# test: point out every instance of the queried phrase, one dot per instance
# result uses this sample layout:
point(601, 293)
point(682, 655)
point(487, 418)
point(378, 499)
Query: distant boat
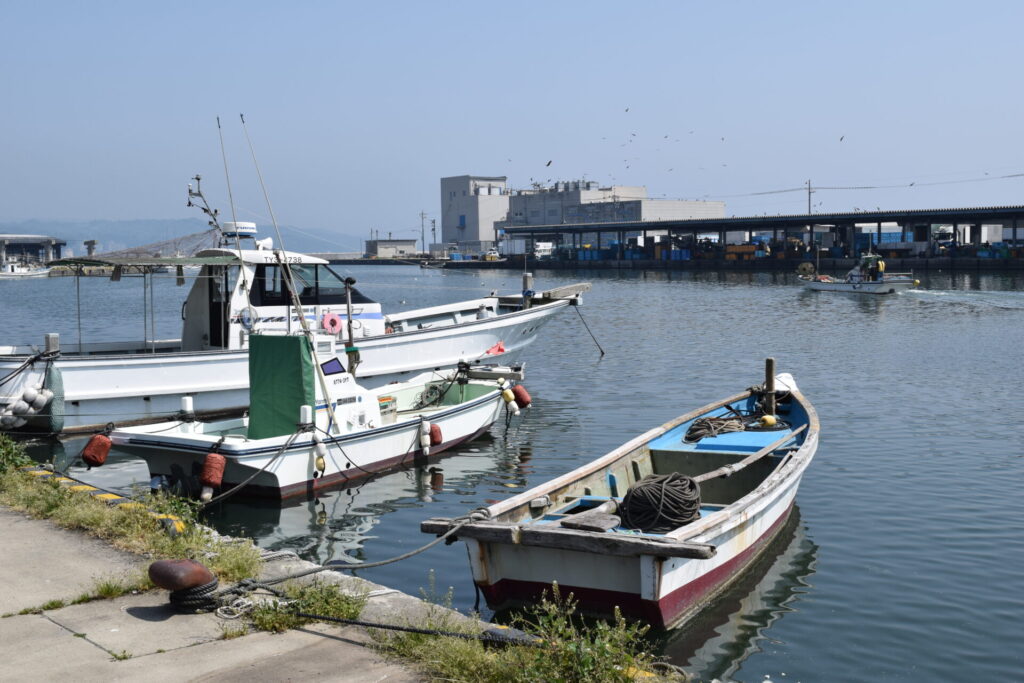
point(17, 270)
point(864, 278)
point(658, 526)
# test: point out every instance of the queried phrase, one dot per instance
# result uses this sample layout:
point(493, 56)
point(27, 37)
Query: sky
point(356, 110)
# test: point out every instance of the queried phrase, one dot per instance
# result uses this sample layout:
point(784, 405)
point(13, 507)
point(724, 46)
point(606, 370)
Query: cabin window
point(315, 284)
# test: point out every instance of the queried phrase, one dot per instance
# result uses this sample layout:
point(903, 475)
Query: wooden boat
point(586, 530)
point(283, 448)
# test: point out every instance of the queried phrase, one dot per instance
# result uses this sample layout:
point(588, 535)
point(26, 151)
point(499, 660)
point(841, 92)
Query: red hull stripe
point(352, 474)
point(663, 613)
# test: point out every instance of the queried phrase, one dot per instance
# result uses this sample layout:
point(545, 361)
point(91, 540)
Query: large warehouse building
point(475, 210)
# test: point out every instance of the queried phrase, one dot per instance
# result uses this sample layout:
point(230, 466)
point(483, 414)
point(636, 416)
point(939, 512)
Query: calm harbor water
point(904, 563)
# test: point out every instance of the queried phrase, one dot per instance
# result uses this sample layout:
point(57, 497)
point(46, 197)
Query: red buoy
point(435, 434)
point(523, 399)
point(213, 470)
point(95, 452)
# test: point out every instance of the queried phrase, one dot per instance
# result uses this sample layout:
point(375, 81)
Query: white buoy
point(207, 494)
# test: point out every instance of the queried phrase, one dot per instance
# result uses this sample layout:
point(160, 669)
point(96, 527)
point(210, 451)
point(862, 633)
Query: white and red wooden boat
point(586, 530)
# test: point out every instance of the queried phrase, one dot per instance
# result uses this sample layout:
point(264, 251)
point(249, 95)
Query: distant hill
point(119, 235)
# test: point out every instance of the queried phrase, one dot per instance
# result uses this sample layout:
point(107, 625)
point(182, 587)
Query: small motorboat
point(867, 277)
point(18, 270)
point(296, 441)
point(658, 526)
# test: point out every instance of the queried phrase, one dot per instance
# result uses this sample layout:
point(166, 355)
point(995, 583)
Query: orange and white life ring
point(331, 323)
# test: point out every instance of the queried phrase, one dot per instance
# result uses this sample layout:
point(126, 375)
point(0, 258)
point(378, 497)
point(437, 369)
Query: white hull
point(890, 286)
point(132, 388)
point(171, 450)
point(24, 274)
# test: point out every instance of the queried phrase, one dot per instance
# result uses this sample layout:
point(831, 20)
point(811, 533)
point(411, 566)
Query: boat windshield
point(316, 284)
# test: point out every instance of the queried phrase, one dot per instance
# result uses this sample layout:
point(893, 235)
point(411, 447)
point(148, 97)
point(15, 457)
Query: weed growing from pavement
point(129, 527)
point(320, 598)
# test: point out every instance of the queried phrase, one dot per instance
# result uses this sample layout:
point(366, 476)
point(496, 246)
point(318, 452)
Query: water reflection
point(715, 643)
point(337, 524)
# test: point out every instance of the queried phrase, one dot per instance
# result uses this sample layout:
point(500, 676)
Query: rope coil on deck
point(659, 503)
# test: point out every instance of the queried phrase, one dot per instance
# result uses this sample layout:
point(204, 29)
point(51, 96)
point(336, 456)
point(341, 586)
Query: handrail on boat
point(727, 470)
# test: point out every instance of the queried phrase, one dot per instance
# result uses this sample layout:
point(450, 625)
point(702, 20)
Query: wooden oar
point(727, 470)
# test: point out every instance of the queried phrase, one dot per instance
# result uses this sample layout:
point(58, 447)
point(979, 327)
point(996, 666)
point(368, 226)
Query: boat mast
point(289, 282)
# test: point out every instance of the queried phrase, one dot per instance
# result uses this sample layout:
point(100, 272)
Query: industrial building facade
point(475, 210)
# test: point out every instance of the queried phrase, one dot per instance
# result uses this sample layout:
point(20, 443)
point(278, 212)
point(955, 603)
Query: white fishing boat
point(658, 526)
point(18, 270)
point(238, 292)
point(867, 277)
point(308, 429)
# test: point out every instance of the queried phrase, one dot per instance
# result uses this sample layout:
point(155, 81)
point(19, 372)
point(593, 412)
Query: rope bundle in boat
point(712, 426)
point(659, 503)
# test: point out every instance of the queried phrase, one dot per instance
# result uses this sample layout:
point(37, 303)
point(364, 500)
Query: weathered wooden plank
point(611, 544)
point(591, 521)
point(488, 532)
point(566, 292)
point(728, 470)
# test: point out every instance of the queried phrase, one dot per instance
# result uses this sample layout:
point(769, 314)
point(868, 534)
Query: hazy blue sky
point(357, 110)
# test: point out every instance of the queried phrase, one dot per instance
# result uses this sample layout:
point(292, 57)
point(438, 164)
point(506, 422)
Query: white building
point(475, 209)
point(471, 208)
point(583, 201)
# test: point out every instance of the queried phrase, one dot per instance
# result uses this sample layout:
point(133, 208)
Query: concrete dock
point(139, 637)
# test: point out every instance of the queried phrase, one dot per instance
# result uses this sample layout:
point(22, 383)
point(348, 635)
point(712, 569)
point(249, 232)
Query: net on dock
point(182, 247)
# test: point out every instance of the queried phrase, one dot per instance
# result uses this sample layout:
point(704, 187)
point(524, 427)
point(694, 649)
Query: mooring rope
point(659, 503)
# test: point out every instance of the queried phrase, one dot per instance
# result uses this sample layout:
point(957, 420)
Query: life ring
point(805, 268)
point(331, 323)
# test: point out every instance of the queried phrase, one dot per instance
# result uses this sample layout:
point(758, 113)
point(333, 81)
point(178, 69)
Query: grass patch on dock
point(567, 650)
point(324, 599)
point(130, 527)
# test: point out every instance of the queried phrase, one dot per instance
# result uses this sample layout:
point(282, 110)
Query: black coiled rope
point(198, 599)
point(659, 503)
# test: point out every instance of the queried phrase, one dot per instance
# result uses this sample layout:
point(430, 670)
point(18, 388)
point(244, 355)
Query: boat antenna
point(289, 281)
point(227, 177)
point(259, 174)
point(197, 193)
point(238, 240)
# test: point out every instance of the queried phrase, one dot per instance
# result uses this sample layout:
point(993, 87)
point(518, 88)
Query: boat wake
point(1002, 300)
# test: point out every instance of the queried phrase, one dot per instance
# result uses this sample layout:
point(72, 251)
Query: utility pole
point(809, 191)
point(433, 230)
point(423, 234)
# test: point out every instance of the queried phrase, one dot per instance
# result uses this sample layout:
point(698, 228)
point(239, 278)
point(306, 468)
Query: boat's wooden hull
point(516, 554)
point(661, 591)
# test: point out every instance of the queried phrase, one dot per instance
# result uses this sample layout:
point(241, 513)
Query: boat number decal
point(285, 259)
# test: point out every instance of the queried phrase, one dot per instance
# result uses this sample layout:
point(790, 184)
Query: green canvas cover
point(280, 382)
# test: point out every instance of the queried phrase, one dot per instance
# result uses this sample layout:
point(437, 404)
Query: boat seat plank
point(734, 442)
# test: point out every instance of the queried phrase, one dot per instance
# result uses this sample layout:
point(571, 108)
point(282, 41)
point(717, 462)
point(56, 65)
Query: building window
point(534, 213)
point(462, 220)
point(552, 212)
